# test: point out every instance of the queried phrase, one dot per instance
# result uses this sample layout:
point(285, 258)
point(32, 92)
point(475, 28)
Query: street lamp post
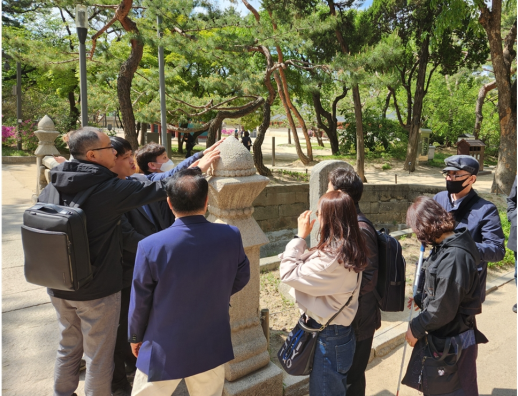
point(82, 30)
point(163, 119)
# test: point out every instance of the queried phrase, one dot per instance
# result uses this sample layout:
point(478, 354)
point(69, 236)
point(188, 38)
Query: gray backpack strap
point(80, 197)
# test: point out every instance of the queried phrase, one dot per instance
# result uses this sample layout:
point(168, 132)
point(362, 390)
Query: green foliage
point(509, 254)
point(380, 134)
point(386, 166)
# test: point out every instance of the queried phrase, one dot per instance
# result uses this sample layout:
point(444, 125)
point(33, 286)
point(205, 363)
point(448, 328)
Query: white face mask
point(166, 166)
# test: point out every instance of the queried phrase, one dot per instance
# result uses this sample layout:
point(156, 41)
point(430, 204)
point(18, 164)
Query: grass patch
point(300, 176)
point(196, 149)
point(12, 152)
point(438, 160)
point(386, 166)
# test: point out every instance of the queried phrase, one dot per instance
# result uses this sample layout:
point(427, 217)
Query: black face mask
point(455, 187)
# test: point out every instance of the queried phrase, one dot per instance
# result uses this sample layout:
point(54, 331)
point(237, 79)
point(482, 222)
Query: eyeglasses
point(455, 177)
point(102, 148)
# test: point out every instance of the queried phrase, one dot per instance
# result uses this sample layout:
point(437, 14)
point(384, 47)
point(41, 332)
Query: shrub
point(29, 139)
point(386, 166)
point(8, 135)
point(381, 136)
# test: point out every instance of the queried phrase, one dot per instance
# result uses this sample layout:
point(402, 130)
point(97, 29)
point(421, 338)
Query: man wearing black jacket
point(88, 317)
point(368, 316)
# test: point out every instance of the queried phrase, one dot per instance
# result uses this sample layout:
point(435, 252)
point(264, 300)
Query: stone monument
point(318, 182)
point(46, 135)
point(233, 187)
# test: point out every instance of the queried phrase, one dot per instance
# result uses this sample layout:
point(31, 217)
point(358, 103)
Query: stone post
point(46, 135)
point(232, 190)
point(318, 186)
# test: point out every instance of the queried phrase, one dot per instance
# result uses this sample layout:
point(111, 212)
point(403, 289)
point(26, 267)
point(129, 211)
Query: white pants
point(208, 383)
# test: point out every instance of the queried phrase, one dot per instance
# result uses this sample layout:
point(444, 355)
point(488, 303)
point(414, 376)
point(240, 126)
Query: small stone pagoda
point(232, 189)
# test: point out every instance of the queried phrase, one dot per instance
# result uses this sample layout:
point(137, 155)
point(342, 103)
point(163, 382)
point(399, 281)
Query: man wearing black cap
point(471, 211)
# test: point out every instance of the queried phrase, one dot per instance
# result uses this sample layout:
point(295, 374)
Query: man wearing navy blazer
point(179, 324)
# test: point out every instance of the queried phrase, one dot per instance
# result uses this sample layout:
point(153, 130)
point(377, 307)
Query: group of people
point(464, 233)
point(155, 311)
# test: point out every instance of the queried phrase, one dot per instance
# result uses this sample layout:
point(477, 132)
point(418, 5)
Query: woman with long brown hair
point(325, 278)
point(444, 335)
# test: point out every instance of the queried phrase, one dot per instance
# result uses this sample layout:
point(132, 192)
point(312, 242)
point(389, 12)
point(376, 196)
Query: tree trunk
point(258, 154)
point(478, 108)
point(360, 148)
point(289, 136)
point(332, 123)
point(144, 134)
point(73, 111)
point(301, 121)
point(413, 138)
point(305, 160)
point(222, 115)
point(501, 58)
point(385, 107)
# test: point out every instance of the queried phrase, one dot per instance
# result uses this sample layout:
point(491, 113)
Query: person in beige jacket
point(324, 278)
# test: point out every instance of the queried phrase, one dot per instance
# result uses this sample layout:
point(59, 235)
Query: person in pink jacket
point(324, 277)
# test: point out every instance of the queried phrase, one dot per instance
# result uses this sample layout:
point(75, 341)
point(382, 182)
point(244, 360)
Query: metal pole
point(19, 105)
point(395, 177)
point(81, 33)
point(273, 150)
point(289, 136)
point(163, 119)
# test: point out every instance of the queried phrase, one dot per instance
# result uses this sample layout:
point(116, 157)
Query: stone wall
point(276, 211)
point(386, 204)
point(278, 206)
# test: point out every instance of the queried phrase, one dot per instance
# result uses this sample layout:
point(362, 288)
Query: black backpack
point(390, 288)
point(55, 243)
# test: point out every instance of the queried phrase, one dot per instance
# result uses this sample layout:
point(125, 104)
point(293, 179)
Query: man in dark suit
point(138, 224)
point(184, 276)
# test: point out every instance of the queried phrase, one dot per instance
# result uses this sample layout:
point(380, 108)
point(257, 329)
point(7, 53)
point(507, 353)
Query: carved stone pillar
point(46, 135)
point(232, 189)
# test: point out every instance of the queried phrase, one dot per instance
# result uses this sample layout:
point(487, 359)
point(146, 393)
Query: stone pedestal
point(232, 190)
point(46, 135)
point(318, 186)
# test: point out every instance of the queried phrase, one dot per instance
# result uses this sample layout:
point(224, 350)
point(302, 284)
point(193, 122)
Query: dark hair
point(247, 133)
point(82, 140)
point(187, 190)
point(148, 153)
point(122, 146)
point(348, 181)
point(428, 220)
point(340, 232)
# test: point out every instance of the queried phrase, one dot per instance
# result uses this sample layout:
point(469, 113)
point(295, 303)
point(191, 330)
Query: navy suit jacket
point(182, 283)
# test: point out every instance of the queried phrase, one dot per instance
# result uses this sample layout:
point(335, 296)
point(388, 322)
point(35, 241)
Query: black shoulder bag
point(297, 353)
point(433, 371)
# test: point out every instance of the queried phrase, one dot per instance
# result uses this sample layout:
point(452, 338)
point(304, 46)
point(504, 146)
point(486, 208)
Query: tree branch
point(430, 78)
point(397, 107)
point(253, 11)
point(182, 33)
point(103, 29)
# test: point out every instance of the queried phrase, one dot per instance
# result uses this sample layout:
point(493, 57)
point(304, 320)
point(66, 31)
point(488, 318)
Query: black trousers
point(356, 375)
point(122, 354)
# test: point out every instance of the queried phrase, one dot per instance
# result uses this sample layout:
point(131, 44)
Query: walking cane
point(414, 291)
